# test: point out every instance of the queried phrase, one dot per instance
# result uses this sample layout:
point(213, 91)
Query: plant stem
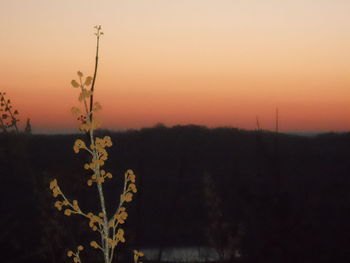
point(95, 156)
point(116, 225)
point(105, 232)
point(95, 72)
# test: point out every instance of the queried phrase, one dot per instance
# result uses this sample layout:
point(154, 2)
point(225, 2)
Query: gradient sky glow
point(206, 62)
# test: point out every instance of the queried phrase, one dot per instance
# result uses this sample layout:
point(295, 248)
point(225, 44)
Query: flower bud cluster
point(119, 237)
point(70, 207)
point(88, 123)
point(75, 255)
point(95, 221)
point(130, 179)
point(56, 191)
point(99, 156)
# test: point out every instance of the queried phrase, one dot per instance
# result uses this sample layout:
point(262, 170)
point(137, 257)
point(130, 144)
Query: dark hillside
point(273, 198)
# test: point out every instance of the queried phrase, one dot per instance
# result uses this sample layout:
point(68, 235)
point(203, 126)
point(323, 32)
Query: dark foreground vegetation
point(268, 198)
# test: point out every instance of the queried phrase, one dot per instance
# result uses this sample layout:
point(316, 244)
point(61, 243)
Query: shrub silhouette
point(111, 234)
point(8, 117)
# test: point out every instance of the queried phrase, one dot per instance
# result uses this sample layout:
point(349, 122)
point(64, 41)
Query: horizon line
point(70, 131)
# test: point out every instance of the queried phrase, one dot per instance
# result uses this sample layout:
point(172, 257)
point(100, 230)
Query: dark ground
point(274, 198)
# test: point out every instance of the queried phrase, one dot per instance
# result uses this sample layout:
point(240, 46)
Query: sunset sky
point(205, 62)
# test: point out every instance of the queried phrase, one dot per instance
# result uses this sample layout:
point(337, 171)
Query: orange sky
point(214, 63)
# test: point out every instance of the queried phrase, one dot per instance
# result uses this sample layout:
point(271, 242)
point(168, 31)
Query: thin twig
point(98, 34)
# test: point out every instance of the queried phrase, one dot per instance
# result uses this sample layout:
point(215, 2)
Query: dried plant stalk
point(109, 227)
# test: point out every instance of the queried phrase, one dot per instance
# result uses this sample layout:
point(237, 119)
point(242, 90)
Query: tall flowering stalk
point(107, 225)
